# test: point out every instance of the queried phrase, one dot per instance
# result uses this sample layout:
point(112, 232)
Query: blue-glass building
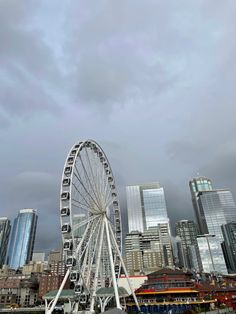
point(5, 228)
point(146, 206)
point(197, 185)
point(22, 238)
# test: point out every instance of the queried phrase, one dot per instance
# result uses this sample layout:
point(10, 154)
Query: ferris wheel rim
point(79, 146)
point(114, 209)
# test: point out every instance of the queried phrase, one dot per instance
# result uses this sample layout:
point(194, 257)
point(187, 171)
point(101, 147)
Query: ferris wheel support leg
point(112, 266)
point(124, 267)
point(49, 310)
point(97, 268)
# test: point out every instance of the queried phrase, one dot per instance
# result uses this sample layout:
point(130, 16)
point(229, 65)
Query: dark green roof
point(102, 292)
point(107, 292)
point(114, 311)
point(65, 294)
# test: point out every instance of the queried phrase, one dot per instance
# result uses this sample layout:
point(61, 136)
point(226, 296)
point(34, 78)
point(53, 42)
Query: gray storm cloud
point(153, 82)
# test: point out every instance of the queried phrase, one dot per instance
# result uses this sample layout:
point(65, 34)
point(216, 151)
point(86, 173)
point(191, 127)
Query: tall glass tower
point(197, 185)
point(22, 238)
point(5, 228)
point(146, 206)
point(211, 254)
point(219, 208)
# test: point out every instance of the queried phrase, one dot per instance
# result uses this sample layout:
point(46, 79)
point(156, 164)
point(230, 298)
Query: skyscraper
point(218, 208)
point(5, 228)
point(211, 254)
point(187, 231)
point(197, 185)
point(22, 238)
point(229, 244)
point(146, 206)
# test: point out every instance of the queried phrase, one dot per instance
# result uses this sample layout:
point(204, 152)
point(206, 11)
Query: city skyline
point(153, 83)
point(171, 222)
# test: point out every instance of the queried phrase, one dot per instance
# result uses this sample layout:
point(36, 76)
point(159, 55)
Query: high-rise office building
point(146, 206)
point(211, 253)
point(197, 185)
point(5, 228)
point(22, 238)
point(229, 245)
point(149, 250)
point(186, 230)
point(218, 208)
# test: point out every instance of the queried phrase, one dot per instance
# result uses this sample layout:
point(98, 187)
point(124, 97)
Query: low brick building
point(51, 282)
point(19, 289)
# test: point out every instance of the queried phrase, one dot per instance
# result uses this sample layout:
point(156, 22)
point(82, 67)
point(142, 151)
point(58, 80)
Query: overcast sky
point(153, 82)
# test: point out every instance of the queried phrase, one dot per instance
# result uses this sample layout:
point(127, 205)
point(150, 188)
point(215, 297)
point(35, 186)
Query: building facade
point(219, 208)
point(22, 238)
point(229, 244)
point(197, 185)
point(211, 254)
point(146, 206)
point(149, 250)
point(18, 289)
point(186, 230)
point(5, 228)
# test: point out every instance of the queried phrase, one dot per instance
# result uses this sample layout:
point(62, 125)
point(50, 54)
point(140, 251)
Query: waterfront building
point(186, 230)
point(22, 238)
point(168, 291)
point(5, 228)
point(146, 206)
point(18, 289)
point(211, 254)
point(197, 185)
point(229, 244)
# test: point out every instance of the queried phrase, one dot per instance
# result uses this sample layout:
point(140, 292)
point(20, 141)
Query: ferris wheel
point(90, 224)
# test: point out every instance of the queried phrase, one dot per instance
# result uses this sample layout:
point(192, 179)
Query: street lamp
point(226, 303)
point(216, 302)
point(204, 306)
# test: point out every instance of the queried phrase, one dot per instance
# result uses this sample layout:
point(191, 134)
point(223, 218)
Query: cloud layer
point(153, 83)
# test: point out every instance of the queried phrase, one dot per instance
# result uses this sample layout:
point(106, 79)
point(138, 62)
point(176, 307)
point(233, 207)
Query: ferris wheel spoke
point(81, 206)
point(88, 205)
point(92, 255)
point(86, 251)
point(108, 198)
point(86, 232)
point(92, 172)
point(87, 192)
point(93, 228)
point(97, 174)
point(86, 188)
point(89, 181)
point(83, 222)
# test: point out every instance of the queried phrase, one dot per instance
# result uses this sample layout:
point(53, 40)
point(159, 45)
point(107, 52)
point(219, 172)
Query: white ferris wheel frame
point(102, 223)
